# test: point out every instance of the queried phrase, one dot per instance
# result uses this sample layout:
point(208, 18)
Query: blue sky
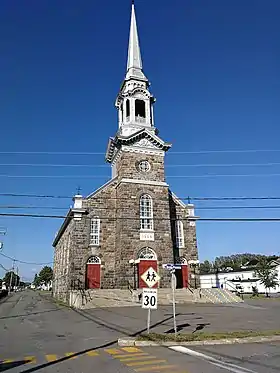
point(214, 68)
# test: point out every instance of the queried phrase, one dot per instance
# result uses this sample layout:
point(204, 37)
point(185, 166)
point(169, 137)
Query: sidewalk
point(256, 316)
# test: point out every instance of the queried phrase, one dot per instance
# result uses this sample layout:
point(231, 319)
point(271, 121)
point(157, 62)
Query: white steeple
point(134, 101)
point(134, 61)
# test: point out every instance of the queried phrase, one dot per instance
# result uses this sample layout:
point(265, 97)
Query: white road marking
point(221, 364)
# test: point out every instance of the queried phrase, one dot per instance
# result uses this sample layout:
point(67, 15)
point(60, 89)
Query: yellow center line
point(130, 355)
point(155, 368)
point(51, 358)
point(71, 354)
point(146, 363)
point(30, 359)
point(7, 361)
point(137, 358)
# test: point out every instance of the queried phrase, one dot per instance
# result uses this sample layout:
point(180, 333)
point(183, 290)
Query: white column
point(152, 114)
point(148, 113)
point(124, 111)
point(120, 116)
point(132, 110)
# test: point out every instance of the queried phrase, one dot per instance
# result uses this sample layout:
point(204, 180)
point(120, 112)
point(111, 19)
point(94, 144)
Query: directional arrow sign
point(150, 277)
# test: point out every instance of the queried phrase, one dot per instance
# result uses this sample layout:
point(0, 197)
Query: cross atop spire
point(134, 60)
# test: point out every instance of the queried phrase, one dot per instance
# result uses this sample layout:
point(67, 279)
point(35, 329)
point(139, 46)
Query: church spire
point(134, 60)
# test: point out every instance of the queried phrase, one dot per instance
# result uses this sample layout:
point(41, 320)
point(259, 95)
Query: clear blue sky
point(214, 68)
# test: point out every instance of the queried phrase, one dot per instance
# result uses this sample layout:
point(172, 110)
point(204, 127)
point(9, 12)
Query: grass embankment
point(155, 337)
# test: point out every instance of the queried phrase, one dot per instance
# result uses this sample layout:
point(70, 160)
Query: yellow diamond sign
point(150, 277)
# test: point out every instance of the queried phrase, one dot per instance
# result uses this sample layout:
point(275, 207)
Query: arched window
point(95, 231)
point(147, 253)
point(140, 109)
point(180, 242)
point(94, 260)
point(127, 103)
point(146, 212)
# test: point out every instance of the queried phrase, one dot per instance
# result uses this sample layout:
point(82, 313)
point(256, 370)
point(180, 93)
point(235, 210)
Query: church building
point(134, 221)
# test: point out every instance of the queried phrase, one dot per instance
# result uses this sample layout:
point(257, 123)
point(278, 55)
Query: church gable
point(145, 143)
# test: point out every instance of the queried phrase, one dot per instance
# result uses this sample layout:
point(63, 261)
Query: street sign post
point(149, 299)
point(149, 296)
point(172, 268)
point(150, 277)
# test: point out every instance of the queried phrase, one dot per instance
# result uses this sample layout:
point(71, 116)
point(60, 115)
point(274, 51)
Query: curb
point(131, 342)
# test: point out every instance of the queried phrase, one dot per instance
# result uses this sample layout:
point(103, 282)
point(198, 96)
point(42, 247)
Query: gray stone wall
point(62, 264)
point(128, 242)
point(127, 166)
point(117, 206)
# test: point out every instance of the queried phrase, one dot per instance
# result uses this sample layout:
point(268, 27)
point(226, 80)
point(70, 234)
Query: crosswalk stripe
point(71, 354)
point(155, 368)
point(130, 355)
point(92, 353)
point(145, 363)
point(131, 349)
point(51, 358)
point(113, 351)
point(134, 358)
point(30, 359)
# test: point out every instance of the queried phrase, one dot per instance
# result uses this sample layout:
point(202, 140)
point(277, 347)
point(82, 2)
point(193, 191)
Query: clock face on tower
point(144, 166)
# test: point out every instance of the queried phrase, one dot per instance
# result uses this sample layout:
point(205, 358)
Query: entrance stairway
point(96, 298)
point(217, 295)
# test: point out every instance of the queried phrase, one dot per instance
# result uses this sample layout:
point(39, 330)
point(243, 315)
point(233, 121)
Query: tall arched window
point(95, 231)
point(146, 212)
point(180, 242)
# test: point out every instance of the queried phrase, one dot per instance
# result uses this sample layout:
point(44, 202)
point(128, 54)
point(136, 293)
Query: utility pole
point(17, 282)
point(11, 277)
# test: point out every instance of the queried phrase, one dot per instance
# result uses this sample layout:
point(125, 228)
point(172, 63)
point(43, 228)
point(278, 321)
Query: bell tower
point(134, 101)
point(136, 129)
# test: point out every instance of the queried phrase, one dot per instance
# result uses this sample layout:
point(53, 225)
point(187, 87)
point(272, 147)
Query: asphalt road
point(38, 335)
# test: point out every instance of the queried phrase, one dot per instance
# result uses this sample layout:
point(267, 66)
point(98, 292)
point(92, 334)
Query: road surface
point(39, 335)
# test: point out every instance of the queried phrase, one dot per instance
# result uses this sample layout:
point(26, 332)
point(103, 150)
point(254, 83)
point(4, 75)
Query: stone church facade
point(134, 221)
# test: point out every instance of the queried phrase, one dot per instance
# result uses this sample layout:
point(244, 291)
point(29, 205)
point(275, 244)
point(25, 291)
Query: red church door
point(143, 266)
point(185, 275)
point(93, 273)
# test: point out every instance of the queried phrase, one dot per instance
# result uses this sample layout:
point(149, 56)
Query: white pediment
point(145, 143)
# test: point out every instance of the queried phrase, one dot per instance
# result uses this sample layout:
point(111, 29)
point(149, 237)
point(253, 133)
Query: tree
point(45, 275)
point(235, 261)
point(36, 281)
point(206, 267)
point(267, 275)
point(15, 279)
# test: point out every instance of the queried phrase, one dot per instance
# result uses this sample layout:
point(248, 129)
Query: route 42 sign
point(150, 277)
point(149, 299)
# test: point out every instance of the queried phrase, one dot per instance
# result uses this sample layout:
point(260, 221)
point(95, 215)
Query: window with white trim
point(180, 242)
point(95, 231)
point(146, 212)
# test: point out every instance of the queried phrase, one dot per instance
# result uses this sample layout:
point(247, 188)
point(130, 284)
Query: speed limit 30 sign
point(149, 299)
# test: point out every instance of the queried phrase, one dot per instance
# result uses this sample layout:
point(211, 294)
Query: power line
point(133, 218)
point(108, 176)
point(241, 198)
point(171, 152)
point(124, 208)
point(33, 195)
point(171, 165)
point(22, 261)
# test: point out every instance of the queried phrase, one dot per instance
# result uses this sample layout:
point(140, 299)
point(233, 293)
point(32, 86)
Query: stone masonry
point(137, 156)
